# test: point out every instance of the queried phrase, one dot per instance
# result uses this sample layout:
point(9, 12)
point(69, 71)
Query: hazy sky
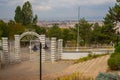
point(59, 9)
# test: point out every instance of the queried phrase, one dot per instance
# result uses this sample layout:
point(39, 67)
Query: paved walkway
point(29, 70)
point(89, 68)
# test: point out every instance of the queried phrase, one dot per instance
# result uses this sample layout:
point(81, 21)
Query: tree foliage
point(118, 0)
point(24, 15)
point(15, 29)
point(18, 15)
point(67, 35)
point(114, 61)
point(27, 13)
point(4, 29)
point(54, 31)
point(84, 30)
point(113, 15)
point(35, 20)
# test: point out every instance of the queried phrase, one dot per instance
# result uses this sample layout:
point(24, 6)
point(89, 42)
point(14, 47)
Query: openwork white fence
point(7, 56)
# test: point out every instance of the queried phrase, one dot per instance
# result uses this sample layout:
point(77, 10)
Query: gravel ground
point(29, 70)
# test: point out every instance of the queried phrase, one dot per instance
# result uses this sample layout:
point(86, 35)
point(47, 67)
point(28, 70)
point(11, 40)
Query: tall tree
point(85, 31)
point(18, 15)
point(35, 19)
point(113, 15)
point(96, 34)
point(111, 20)
point(27, 13)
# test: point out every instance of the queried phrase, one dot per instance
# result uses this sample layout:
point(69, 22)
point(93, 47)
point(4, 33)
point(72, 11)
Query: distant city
point(65, 23)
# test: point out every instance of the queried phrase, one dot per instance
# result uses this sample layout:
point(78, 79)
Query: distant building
point(64, 24)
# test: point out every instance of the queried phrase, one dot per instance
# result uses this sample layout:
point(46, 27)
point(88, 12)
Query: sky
point(59, 9)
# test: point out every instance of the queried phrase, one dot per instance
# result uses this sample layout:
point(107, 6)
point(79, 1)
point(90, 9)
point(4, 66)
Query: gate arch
point(29, 33)
point(55, 49)
point(17, 44)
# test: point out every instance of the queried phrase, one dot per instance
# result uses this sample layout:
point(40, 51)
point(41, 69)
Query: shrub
point(74, 76)
point(114, 61)
point(107, 76)
point(117, 48)
point(89, 57)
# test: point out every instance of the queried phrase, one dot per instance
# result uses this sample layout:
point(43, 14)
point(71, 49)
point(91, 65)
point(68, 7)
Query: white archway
point(17, 44)
point(29, 33)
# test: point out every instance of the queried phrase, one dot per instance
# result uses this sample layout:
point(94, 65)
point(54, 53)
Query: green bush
point(107, 76)
point(114, 61)
point(117, 48)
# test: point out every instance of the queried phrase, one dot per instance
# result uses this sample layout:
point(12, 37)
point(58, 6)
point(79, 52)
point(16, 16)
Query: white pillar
point(5, 54)
point(42, 40)
point(60, 48)
point(53, 49)
point(17, 48)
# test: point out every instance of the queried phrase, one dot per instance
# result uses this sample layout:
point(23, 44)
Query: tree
point(111, 20)
point(18, 15)
point(85, 31)
point(108, 33)
point(96, 34)
point(113, 15)
point(39, 30)
point(11, 22)
point(4, 29)
point(66, 35)
point(35, 19)
point(54, 31)
point(1, 24)
point(118, 0)
point(15, 29)
point(27, 13)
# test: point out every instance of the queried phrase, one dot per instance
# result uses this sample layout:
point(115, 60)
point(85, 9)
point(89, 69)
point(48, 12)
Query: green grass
point(89, 57)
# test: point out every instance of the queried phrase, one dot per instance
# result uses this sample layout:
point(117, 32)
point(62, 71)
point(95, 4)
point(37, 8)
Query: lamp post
point(78, 29)
point(45, 47)
point(40, 61)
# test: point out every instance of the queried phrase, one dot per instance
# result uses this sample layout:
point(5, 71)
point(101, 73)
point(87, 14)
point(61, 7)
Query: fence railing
point(88, 48)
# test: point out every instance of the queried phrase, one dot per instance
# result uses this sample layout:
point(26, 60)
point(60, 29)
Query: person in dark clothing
point(34, 48)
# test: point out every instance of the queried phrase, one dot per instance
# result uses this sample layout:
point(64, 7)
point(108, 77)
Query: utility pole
point(78, 29)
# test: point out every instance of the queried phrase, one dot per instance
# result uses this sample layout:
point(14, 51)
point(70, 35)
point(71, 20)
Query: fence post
point(5, 55)
point(60, 48)
point(17, 48)
point(42, 40)
point(53, 49)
